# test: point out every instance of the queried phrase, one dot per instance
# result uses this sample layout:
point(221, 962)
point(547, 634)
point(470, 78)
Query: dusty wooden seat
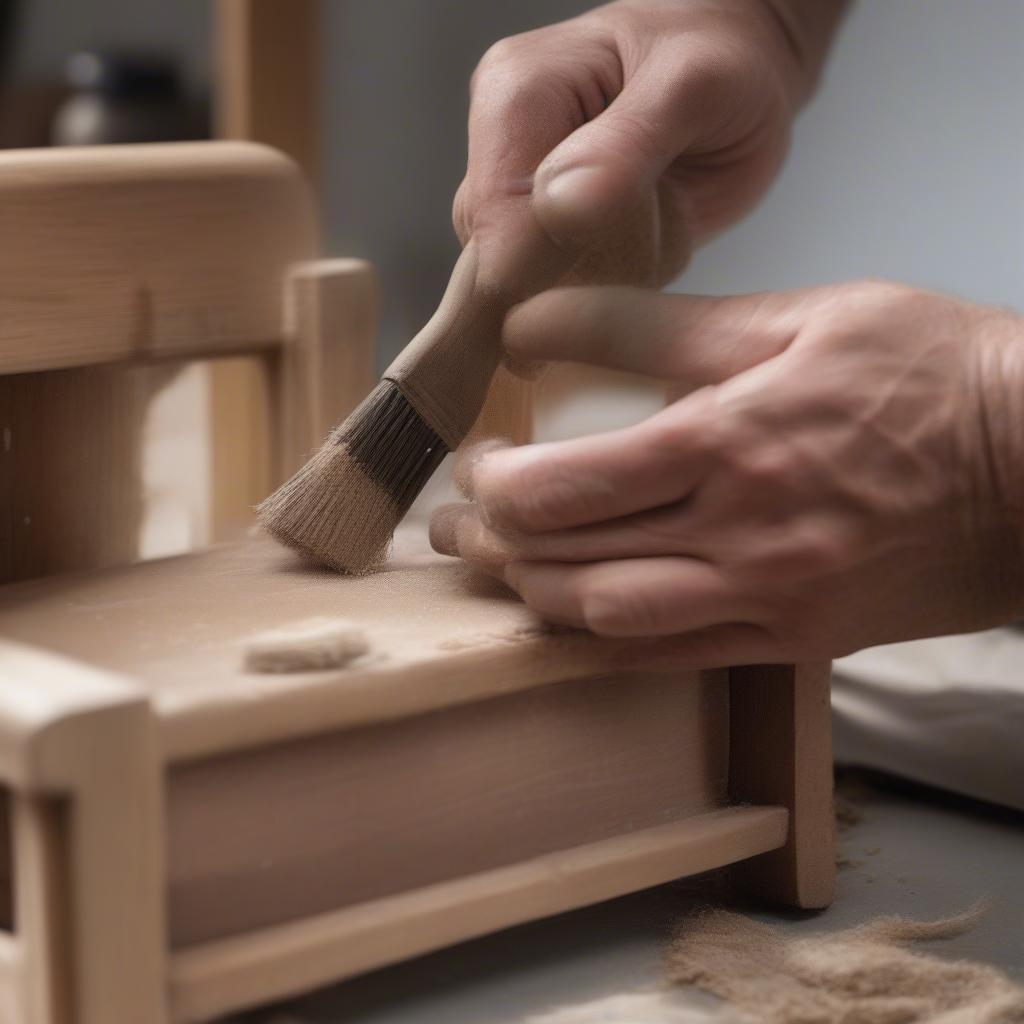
point(189, 837)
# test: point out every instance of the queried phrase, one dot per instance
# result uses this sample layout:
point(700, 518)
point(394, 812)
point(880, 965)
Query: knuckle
point(509, 76)
point(802, 552)
point(499, 55)
point(719, 72)
point(819, 551)
point(867, 295)
point(759, 471)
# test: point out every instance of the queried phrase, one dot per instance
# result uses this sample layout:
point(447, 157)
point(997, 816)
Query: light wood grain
point(158, 251)
point(220, 977)
point(266, 90)
point(296, 829)
point(440, 635)
point(12, 979)
point(267, 76)
point(242, 396)
point(70, 469)
point(326, 366)
point(507, 414)
point(88, 736)
point(782, 753)
point(43, 917)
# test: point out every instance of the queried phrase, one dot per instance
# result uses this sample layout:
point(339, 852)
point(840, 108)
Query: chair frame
point(85, 755)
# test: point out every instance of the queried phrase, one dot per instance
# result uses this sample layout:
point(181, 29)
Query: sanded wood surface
point(219, 977)
point(440, 634)
point(166, 250)
point(299, 828)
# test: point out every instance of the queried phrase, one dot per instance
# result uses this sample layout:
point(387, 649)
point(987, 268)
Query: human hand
point(642, 125)
point(850, 472)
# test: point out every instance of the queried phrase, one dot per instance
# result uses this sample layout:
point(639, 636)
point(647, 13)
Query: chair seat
point(177, 627)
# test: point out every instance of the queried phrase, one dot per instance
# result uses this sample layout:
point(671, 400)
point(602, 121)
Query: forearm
point(809, 27)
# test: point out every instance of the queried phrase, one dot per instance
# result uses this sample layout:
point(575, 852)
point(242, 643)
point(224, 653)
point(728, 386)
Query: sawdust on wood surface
point(308, 646)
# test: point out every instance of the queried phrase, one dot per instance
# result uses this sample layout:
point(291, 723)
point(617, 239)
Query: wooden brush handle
point(445, 371)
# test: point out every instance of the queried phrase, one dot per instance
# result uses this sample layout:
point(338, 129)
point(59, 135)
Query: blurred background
point(907, 165)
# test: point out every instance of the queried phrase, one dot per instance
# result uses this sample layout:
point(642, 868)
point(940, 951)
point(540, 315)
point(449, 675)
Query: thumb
point(599, 185)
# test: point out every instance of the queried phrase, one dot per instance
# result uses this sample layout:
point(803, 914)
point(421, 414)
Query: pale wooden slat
point(95, 886)
point(326, 366)
point(267, 84)
point(220, 977)
point(42, 909)
point(266, 90)
point(11, 975)
point(160, 250)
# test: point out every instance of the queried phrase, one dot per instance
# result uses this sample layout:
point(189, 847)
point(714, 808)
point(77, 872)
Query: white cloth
point(948, 712)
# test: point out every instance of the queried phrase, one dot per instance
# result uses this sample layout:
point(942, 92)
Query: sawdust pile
point(864, 975)
point(309, 646)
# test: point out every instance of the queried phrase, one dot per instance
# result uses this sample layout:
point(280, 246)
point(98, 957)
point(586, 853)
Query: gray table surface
point(911, 852)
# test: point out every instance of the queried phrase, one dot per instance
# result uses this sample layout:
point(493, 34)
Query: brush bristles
point(343, 506)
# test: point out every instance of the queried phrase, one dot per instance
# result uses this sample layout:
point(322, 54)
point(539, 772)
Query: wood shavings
point(863, 975)
point(308, 646)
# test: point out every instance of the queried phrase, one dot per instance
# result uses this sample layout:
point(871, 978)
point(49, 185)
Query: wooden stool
point(188, 838)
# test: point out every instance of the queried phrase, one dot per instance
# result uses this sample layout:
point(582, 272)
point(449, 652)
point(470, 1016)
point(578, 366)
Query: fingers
point(565, 484)
point(611, 162)
point(691, 339)
point(686, 603)
point(458, 530)
point(638, 597)
point(528, 93)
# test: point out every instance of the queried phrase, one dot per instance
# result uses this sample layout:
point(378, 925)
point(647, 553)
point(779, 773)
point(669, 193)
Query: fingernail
point(444, 525)
point(492, 466)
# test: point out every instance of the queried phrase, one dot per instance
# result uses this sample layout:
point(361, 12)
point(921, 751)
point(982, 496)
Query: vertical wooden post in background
point(266, 90)
point(267, 76)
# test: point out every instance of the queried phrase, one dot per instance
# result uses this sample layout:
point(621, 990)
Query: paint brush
point(342, 507)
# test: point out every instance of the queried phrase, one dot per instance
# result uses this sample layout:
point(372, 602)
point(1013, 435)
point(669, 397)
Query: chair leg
point(116, 868)
point(89, 927)
point(39, 833)
point(781, 753)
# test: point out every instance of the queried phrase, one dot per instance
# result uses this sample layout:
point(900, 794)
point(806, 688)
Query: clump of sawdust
point(863, 975)
point(308, 646)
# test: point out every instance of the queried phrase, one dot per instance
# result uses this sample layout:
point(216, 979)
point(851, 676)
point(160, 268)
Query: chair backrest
point(118, 264)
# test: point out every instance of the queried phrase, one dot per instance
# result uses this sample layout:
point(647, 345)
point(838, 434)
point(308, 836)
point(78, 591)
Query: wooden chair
point(187, 838)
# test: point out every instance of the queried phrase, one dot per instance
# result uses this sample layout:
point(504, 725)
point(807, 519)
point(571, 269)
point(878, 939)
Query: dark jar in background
point(125, 97)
